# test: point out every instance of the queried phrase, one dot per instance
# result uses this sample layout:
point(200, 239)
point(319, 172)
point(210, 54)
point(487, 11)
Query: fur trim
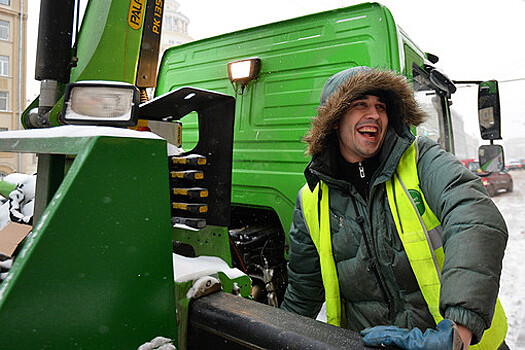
point(402, 108)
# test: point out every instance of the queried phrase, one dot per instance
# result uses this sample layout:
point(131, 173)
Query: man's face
point(362, 128)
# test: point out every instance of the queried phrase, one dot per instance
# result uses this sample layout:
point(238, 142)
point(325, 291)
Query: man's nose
point(373, 112)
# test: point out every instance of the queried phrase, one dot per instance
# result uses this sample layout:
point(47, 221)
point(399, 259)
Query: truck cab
point(114, 206)
point(287, 64)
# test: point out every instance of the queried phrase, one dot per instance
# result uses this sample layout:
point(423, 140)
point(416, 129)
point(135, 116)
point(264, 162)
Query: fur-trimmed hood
point(344, 87)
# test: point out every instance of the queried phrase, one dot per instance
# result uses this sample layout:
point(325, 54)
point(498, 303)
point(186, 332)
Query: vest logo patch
point(418, 201)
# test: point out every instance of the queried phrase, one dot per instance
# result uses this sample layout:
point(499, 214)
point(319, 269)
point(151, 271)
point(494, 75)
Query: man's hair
point(383, 96)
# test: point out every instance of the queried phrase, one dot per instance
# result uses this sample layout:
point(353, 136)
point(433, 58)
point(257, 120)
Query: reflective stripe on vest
point(419, 231)
point(417, 227)
point(415, 222)
point(323, 244)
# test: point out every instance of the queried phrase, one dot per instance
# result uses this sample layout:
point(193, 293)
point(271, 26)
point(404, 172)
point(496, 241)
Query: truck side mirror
point(440, 80)
point(491, 158)
point(489, 110)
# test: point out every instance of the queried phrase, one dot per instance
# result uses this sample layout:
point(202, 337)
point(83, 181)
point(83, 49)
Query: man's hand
point(445, 336)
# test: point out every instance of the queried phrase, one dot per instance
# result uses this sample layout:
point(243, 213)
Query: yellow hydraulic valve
point(194, 192)
point(191, 207)
point(191, 159)
point(187, 174)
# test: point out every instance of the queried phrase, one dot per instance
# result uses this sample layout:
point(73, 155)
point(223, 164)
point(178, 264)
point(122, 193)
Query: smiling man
point(398, 238)
point(362, 128)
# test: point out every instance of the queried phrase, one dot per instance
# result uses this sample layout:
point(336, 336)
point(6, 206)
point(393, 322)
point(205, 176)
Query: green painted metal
point(6, 188)
point(491, 84)
point(274, 112)
point(47, 145)
point(25, 113)
point(51, 170)
point(449, 129)
point(54, 113)
point(211, 240)
point(97, 272)
point(183, 308)
point(242, 283)
point(108, 47)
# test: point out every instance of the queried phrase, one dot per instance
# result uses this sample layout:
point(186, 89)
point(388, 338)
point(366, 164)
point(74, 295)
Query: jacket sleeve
point(474, 238)
point(305, 293)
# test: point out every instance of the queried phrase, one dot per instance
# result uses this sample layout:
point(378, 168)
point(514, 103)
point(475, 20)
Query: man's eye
point(381, 107)
point(359, 104)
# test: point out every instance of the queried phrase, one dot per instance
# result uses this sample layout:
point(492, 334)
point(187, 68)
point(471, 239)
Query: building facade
point(174, 26)
point(465, 145)
point(13, 36)
point(514, 149)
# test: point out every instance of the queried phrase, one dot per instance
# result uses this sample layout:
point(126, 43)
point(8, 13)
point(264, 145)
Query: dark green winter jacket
point(474, 237)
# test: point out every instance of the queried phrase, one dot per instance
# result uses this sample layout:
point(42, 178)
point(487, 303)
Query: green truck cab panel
point(97, 270)
point(274, 111)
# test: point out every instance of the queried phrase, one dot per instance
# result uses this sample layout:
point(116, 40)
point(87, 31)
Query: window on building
point(167, 23)
point(5, 2)
point(3, 100)
point(4, 30)
point(4, 65)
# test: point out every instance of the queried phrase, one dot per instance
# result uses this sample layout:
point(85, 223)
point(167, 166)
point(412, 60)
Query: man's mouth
point(369, 132)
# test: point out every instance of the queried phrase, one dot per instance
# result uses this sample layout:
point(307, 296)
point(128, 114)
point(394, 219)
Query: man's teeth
point(367, 129)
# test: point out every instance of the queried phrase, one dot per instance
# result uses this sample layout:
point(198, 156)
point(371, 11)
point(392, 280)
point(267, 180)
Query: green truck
point(292, 59)
point(113, 205)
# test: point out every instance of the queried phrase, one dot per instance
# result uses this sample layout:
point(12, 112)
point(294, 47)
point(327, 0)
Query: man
point(391, 231)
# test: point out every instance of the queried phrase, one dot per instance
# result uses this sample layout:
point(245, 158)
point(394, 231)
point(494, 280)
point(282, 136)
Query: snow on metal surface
point(186, 269)
point(77, 131)
point(203, 286)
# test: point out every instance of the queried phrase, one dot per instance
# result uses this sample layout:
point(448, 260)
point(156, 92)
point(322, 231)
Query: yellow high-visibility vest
point(419, 231)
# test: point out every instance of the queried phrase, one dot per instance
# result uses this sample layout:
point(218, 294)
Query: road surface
point(512, 288)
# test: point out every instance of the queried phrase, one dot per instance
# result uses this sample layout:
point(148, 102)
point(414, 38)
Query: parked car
point(494, 181)
point(514, 165)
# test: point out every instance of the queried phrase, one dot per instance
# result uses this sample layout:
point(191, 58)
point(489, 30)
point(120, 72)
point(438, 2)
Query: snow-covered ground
point(512, 288)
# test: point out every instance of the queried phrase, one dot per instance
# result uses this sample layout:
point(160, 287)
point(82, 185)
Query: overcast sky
point(474, 39)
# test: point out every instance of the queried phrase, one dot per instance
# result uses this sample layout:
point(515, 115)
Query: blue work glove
point(444, 337)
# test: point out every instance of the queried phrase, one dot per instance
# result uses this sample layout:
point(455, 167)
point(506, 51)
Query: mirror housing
point(441, 81)
point(491, 158)
point(489, 116)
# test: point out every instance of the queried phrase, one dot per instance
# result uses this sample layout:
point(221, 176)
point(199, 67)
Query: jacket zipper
point(371, 263)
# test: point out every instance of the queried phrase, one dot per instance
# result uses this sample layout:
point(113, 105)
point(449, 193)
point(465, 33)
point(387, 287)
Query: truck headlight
point(243, 71)
point(101, 103)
